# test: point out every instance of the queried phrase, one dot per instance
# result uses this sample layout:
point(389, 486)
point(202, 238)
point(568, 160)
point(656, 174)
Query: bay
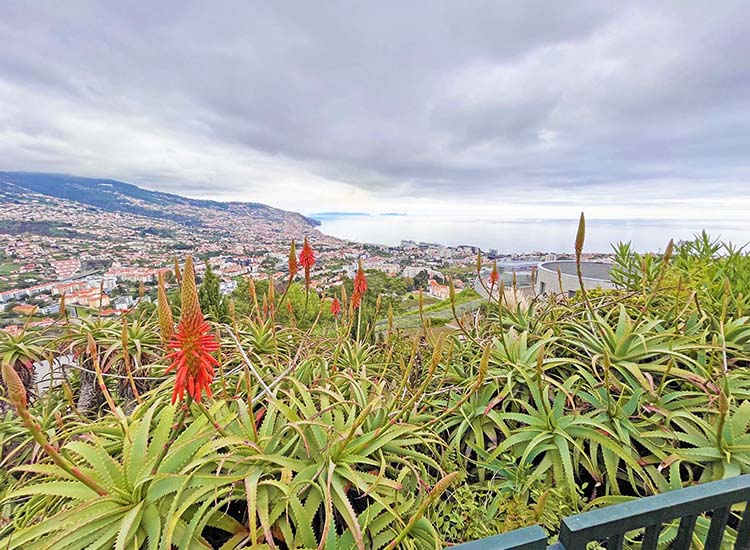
point(527, 235)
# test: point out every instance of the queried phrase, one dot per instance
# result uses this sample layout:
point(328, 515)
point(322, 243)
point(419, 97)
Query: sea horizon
point(524, 235)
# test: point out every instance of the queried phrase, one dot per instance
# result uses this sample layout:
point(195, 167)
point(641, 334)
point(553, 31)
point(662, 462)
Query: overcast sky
point(624, 109)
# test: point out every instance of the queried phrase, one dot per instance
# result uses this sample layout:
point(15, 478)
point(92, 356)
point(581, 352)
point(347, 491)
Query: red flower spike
point(191, 358)
point(356, 300)
point(192, 344)
point(335, 307)
point(494, 276)
point(307, 257)
point(360, 281)
point(307, 260)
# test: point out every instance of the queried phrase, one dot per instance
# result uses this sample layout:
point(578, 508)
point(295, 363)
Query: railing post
point(650, 513)
point(646, 515)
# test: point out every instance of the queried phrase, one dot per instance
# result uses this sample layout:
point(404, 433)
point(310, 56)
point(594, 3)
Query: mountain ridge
point(118, 196)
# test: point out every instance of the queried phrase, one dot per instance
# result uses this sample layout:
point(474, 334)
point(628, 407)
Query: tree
point(296, 297)
point(268, 264)
point(420, 280)
point(209, 295)
point(145, 307)
point(241, 295)
point(390, 289)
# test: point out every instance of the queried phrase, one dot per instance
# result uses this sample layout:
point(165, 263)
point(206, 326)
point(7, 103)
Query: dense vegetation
point(325, 432)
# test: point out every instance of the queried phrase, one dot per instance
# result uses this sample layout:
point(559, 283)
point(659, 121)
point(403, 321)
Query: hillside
point(116, 196)
point(45, 218)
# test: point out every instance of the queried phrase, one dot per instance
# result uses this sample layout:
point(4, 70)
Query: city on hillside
point(111, 262)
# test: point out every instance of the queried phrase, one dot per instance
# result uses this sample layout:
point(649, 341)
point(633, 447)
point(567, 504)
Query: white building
point(414, 271)
point(551, 275)
point(123, 302)
point(226, 287)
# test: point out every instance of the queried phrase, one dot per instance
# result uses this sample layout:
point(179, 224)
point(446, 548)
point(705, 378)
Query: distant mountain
point(116, 196)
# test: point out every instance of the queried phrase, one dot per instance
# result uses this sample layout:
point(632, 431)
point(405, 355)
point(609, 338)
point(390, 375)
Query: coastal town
point(104, 262)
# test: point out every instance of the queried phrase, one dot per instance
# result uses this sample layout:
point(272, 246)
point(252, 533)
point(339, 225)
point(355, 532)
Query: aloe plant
point(315, 438)
point(151, 500)
point(22, 351)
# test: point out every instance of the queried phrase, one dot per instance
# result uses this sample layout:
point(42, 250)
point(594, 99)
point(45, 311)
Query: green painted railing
point(609, 525)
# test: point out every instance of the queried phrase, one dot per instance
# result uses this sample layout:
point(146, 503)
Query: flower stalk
point(192, 344)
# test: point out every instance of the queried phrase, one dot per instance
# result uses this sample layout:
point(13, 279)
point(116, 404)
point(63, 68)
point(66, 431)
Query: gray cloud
point(398, 99)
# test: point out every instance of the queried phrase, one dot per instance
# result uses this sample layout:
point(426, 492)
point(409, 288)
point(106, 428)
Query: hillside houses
point(91, 297)
point(134, 274)
point(440, 291)
point(65, 269)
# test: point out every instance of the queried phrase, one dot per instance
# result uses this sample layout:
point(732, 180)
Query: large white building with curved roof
point(550, 276)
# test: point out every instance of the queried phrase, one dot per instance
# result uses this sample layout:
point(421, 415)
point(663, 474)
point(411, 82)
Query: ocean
point(526, 235)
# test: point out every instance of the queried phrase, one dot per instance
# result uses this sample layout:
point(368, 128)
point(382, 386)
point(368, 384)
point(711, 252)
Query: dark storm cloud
point(397, 98)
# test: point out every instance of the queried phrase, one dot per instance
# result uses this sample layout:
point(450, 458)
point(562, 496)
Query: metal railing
point(609, 525)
